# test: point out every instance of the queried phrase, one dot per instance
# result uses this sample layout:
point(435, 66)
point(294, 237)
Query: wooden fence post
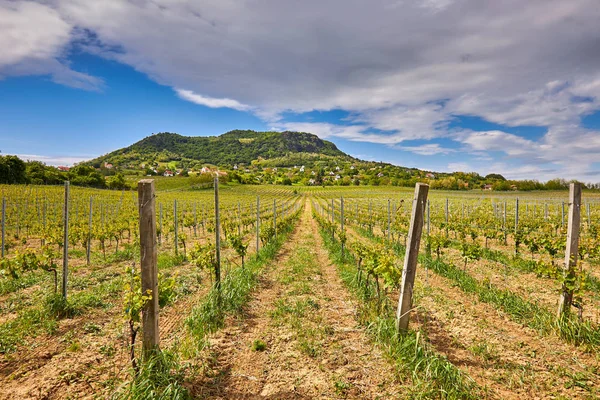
point(66, 241)
point(149, 259)
point(411, 257)
point(217, 236)
point(566, 298)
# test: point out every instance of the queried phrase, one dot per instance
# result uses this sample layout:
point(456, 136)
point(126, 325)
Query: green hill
point(231, 148)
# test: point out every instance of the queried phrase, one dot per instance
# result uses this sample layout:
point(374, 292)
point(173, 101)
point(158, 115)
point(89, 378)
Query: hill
point(235, 147)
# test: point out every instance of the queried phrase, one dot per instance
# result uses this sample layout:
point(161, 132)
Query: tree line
point(13, 170)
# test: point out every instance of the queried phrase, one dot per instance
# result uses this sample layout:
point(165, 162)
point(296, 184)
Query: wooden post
point(257, 224)
point(217, 236)
point(566, 298)
point(66, 241)
point(3, 223)
point(175, 227)
point(149, 267)
point(562, 221)
point(89, 241)
point(411, 257)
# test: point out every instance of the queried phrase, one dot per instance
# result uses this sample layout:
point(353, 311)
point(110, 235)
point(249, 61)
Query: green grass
point(432, 375)
point(234, 292)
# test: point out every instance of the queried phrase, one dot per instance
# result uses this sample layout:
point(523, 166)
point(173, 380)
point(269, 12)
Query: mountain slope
point(230, 148)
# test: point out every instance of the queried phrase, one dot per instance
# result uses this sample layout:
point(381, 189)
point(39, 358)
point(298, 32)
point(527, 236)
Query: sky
point(509, 87)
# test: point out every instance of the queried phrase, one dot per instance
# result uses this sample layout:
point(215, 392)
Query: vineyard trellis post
point(389, 221)
point(342, 222)
point(569, 270)
point(239, 219)
point(411, 257)
point(562, 221)
point(3, 223)
point(257, 224)
point(447, 216)
point(89, 238)
point(66, 241)
point(160, 224)
point(175, 226)
point(148, 263)
point(275, 217)
point(217, 236)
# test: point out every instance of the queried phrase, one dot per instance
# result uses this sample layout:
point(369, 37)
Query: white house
point(168, 173)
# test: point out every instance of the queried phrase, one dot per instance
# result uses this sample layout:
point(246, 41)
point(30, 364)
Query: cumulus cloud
point(211, 101)
point(405, 77)
point(33, 39)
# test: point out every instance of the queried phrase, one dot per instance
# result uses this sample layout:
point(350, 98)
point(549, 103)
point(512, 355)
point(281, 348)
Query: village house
point(168, 173)
point(64, 169)
point(430, 175)
point(108, 165)
point(487, 187)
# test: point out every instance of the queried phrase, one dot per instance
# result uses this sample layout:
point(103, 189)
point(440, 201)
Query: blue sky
point(441, 85)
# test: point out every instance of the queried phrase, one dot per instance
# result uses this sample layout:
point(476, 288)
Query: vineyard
point(275, 292)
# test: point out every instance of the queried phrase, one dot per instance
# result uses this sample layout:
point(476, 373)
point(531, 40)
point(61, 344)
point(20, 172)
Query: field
point(306, 304)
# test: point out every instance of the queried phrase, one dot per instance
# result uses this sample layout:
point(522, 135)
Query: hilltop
point(226, 150)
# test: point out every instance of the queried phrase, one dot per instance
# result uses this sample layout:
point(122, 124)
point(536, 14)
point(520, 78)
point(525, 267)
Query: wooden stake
point(566, 298)
point(411, 257)
point(149, 268)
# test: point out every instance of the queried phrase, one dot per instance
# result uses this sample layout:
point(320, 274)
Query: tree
point(12, 170)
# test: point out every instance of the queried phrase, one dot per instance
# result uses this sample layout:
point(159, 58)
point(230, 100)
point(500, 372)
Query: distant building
point(205, 170)
point(487, 187)
point(108, 165)
point(64, 169)
point(168, 173)
point(379, 175)
point(430, 175)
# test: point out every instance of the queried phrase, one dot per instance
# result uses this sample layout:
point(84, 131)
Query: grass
point(234, 292)
point(161, 376)
point(432, 375)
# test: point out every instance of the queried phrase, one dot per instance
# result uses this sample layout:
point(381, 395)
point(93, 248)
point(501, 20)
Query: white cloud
point(211, 101)
point(459, 167)
point(409, 74)
point(33, 38)
point(54, 160)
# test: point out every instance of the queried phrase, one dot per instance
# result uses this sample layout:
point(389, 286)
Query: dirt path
point(303, 318)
